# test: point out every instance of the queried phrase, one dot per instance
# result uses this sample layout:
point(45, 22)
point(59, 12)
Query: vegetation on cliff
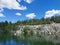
point(6, 26)
point(55, 19)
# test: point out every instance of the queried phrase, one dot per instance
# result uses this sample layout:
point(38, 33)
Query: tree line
point(54, 19)
point(6, 27)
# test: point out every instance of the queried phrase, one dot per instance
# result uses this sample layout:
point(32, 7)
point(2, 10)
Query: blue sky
point(14, 10)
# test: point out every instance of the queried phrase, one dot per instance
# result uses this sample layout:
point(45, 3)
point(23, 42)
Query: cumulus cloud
point(18, 14)
point(19, 0)
point(31, 15)
point(28, 1)
point(1, 9)
point(1, 14)
point(11, 4)
point(51, 13)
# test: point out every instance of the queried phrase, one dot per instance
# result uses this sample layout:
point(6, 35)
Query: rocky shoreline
point(47, 29)
point(50, 32)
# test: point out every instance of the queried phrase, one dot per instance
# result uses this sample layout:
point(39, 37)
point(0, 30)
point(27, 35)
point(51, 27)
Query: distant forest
point(6, 26)
point(54, 19)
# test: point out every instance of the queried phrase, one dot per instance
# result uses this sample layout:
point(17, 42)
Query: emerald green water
point(7, 39)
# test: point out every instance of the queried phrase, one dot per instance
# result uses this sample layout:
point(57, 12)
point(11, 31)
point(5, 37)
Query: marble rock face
point(50, 29)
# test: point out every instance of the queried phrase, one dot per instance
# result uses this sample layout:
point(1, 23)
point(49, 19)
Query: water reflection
point(52, 37)
point(7, 39)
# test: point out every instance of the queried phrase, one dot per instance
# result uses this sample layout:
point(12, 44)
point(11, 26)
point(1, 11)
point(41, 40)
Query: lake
point(7, 39)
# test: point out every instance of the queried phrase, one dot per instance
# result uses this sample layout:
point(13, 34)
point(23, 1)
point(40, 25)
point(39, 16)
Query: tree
point(18, 22)
point(25, 30)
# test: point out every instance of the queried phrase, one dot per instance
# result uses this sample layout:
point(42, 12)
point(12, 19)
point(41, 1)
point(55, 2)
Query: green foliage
point(32, 32)
point(18, 22)
point(25, 30)
point(55, 19)
point(39, 28)
point(6, 27)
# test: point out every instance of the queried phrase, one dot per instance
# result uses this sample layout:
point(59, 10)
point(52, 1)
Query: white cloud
point(1, 10)
point(2, 15)
point(31, 15)
point(28, 1)
point(51, 13)
point(19, 0)
point(11, 4)
point(18, 14)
